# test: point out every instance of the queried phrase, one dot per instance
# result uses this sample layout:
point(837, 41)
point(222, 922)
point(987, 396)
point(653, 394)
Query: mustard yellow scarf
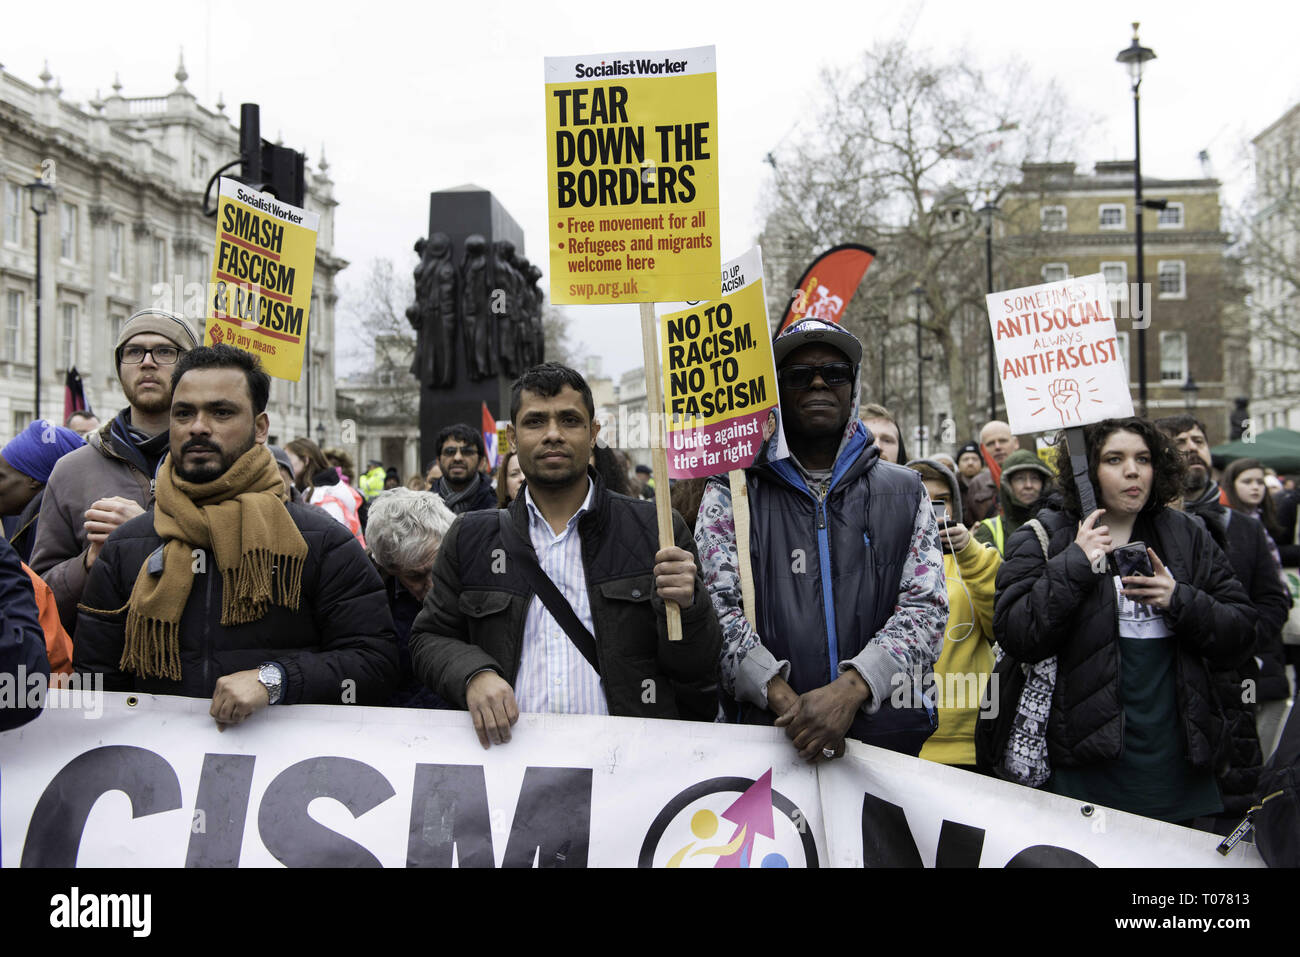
point(240, 518)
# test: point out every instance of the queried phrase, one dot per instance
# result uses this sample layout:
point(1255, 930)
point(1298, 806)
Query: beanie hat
point(972, 447)
point(160, 322)
point(35, 449)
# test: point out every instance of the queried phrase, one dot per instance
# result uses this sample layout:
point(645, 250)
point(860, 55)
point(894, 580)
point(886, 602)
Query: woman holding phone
point(1137, 604)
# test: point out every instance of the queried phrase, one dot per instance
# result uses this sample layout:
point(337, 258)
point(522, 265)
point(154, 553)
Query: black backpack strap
point(525, 560)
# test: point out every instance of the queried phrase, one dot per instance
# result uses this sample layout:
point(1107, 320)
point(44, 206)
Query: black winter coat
point(1062, 607)
point(474, 616)
point(22, 642)
point(342, 630)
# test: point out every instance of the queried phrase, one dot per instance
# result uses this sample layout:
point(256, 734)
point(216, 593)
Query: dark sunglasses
point(801, 377)
point(451, 451)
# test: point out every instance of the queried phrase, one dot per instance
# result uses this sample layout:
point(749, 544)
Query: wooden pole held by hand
point(659, 451)
point(740, 512)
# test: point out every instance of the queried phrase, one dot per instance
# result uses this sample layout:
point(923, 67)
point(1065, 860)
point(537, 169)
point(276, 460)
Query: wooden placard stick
point(659, 451)
point(740, 512)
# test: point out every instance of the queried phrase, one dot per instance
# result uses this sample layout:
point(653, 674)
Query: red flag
point(827, 286)
point(489, 426)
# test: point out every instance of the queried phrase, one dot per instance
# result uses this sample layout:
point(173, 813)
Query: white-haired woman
point(404, 530)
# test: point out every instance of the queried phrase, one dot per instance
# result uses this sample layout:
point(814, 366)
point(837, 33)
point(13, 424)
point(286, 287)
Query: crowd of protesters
point(1129, 655)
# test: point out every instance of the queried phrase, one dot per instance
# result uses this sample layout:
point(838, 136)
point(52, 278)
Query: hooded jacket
point(997, 529)
point(846, 579)
point(966, 660)
point(110, 464)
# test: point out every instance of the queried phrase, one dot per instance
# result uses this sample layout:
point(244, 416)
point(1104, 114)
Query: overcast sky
point(411, 98)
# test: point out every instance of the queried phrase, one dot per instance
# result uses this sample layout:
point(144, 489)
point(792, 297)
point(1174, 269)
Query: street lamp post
point(1135, 56)
point(919, 293)
point(986, 213)
point(1190, 388)
point(41, 195)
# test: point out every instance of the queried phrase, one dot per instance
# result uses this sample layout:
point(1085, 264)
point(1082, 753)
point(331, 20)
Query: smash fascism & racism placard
point(632, 177)
point(1058, 355)
point(262, 268)
point(720, 378)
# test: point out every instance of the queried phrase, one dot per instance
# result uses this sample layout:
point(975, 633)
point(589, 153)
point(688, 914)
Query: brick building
point(1058, 222)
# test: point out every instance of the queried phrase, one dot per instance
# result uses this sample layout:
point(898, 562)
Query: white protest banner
point(155, 784)
point(151, 782)
point(720, 378)
point(1058, 355)
point(883, 809)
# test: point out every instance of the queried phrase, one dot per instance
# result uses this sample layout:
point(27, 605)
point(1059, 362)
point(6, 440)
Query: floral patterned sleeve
point(909, 643)
point(746, 666)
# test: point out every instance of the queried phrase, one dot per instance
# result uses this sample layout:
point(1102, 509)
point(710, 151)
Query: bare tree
point(382, 340)
point(899, 151)
point(1267, 229)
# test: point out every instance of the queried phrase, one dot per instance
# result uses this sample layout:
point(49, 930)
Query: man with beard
point(463, 486)
point(556, 604)
point(1262, 675)
point(95, 489)
point(222, 590)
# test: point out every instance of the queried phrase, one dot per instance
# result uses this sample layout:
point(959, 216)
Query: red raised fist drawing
point(1065, 398)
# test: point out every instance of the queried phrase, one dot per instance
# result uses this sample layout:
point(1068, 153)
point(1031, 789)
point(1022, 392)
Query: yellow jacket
point(966, 661)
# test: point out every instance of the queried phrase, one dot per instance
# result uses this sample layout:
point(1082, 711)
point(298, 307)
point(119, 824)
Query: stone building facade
point(125, 231)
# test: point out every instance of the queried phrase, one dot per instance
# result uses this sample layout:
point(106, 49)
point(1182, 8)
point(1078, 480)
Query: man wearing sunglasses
point(97, 488)
point(463, 486)
point(850, 598)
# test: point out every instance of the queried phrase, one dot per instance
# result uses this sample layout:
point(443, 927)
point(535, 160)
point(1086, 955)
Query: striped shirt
point(553, 675)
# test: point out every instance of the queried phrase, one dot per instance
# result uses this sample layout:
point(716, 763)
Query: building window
point(11, 340)
point(1171, 217)
point(22, 419)
point(1053, 219)
point(1055, 272)
point(13, 213)
point(116, 248)
point(68, 335)
point(1173, 279)
point(115, 324)
point(68, 232)
point(160, 260)
point(1111, 216)
point(1173, 357)
point(1121, 339)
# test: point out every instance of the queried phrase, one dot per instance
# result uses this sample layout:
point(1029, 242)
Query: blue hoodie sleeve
point(22, 642)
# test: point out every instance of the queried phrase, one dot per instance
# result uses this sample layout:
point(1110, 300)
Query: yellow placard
point(263, 263)
point(719, 378)
point(632, 177)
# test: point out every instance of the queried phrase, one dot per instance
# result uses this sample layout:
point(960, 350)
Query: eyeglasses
point(451, 451)
point(801, 377)
point(163, 355)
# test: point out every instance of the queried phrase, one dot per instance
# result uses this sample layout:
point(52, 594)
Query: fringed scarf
point(240, 518)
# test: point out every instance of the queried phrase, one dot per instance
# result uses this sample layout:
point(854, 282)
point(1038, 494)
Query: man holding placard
point(850, 595)
point(557, 604)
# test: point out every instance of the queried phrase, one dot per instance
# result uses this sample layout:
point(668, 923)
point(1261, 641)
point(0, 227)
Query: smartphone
point(940, 512)
point(1132, 559)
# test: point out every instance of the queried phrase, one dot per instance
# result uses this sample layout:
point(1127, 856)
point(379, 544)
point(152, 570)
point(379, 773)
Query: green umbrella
point(1279, 449)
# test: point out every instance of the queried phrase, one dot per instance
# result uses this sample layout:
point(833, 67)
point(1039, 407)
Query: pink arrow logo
point(752, 815)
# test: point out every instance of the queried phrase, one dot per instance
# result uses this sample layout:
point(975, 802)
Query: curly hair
point(1167, 465)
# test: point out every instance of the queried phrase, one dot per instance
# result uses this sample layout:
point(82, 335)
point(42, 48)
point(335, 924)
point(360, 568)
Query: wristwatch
point(272, 677)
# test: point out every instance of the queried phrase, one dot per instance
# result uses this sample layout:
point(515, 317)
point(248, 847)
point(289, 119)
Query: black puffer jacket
point(341, 631)
point(1061, 607)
